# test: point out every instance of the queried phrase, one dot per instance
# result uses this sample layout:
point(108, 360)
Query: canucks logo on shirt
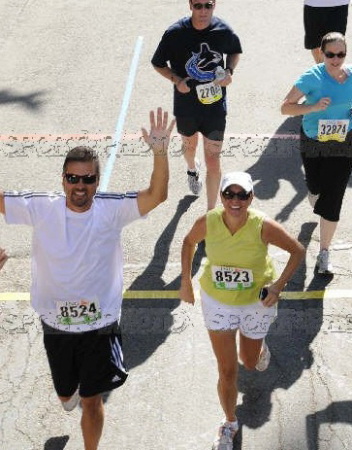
point(201, 66)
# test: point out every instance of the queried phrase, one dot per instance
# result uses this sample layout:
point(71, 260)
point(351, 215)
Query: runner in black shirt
point(190, 54)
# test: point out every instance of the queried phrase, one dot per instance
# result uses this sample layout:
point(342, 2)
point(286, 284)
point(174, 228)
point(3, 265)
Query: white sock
point(233, 425)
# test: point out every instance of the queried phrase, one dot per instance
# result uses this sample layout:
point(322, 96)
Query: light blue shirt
point(317, 83)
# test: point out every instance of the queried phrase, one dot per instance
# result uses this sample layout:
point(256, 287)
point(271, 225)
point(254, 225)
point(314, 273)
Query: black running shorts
point(211, 126)
point(92, 360)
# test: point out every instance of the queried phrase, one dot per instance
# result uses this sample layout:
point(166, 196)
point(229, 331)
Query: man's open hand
point(159, 136)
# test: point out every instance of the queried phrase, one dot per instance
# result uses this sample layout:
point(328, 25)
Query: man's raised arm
point(158, 140)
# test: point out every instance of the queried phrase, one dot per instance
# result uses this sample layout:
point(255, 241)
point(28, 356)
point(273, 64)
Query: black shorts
point(321, 20)
point(92, 360)
point(211, 126)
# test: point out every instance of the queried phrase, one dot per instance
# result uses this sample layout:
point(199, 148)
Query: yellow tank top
point(238, 265)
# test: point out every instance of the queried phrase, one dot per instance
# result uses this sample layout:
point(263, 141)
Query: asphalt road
point(65, 68)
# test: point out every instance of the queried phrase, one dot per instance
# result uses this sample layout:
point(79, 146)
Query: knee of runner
point(212, 154)
point(228, 374)
point(91, 404)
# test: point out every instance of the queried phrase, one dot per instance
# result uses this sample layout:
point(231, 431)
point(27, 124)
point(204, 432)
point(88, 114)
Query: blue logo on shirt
point(201, 66)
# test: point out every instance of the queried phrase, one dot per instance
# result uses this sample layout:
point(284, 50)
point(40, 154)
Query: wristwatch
point(230, 69)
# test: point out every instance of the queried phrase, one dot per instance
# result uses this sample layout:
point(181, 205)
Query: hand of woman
point(186, 292)
point(322, 104)
point(273, 296)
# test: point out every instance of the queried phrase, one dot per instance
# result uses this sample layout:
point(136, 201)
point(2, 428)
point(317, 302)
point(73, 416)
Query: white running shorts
point(253, 320)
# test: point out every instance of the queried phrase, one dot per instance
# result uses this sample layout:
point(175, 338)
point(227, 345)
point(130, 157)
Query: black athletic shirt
point(196, 53)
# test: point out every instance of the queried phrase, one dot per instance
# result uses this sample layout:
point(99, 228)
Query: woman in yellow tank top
point(238, 272)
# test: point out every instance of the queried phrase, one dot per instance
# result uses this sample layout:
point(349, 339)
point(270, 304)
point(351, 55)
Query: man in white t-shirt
point(321, 17)
point(77, 271)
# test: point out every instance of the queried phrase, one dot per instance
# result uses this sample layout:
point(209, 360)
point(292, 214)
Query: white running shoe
point(225, 436)
point(264, 358)
point(323, 264)
point(194, 179)
point(71, 404)
point(312, 198)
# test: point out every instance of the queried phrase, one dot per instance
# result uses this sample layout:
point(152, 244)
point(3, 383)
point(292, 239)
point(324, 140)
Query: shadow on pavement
point(281, 160)
point(146, 323)
point(237, 442)
point(289, 339)
point(31, 101)
point(336, 412)
point(56, 443)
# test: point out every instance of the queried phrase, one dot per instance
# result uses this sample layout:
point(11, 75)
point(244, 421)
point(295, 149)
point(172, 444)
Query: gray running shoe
point(264, 358)
point(323, 264)
point(194, 180)
point(224, 438)
point(312, 198)
point(71, 404)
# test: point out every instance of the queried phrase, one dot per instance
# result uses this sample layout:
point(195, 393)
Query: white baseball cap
point(242, 179)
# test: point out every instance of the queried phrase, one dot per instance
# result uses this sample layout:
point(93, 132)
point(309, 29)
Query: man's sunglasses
point(331, 55)
point(75, 179)
point(199, 6)
point(242, 195)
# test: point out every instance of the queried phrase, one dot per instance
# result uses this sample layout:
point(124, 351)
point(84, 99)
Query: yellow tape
point(13, 296)
point(129, 295)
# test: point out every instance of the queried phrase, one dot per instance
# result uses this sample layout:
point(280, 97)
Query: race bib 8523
point(232, 278)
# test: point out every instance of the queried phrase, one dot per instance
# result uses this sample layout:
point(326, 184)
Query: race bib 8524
point(78, 312)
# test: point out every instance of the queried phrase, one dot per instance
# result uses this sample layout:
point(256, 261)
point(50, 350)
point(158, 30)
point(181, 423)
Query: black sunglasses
point(199, 6)
point(75, 179)
point(242, 195)
point(331, 55)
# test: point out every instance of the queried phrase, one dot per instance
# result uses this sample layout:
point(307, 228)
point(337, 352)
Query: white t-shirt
point(76, 257)
point(326, 3)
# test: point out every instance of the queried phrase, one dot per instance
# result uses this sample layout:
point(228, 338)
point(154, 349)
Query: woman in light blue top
point(326, 136)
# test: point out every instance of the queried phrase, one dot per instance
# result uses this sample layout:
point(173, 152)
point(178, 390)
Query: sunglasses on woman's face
point(331, 55)
point(242, 195)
